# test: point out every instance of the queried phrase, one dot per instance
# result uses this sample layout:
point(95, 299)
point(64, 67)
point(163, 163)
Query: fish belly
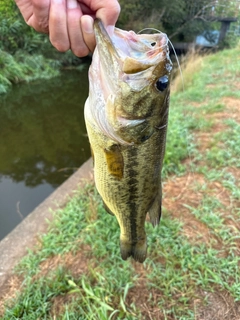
point(128, 178)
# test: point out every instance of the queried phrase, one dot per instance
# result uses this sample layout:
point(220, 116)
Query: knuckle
point(38, 25)
point(116, 8)
point(80, 52)
point(38, 5)
point(43, 26)
point(60, 46)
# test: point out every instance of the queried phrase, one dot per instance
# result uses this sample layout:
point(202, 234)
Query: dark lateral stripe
point(132, 188)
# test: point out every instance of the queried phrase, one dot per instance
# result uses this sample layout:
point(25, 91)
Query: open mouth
point(133, 52)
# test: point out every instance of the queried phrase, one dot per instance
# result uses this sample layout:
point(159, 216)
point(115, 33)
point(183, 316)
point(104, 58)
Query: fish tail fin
point(137, 250)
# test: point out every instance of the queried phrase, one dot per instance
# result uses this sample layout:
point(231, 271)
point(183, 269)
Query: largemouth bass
point(126, 116)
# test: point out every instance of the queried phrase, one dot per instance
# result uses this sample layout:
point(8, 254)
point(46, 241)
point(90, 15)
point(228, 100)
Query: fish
point(126, 116)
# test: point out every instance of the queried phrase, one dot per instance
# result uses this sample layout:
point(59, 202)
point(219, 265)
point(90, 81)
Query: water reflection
point(17, 201)
point(42, 134)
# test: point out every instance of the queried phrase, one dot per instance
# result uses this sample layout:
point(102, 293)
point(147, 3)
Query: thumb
point(108, 14)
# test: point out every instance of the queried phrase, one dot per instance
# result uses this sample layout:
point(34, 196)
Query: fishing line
point(178, 63)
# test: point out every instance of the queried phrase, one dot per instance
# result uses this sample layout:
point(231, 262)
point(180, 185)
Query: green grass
point(103, 291)
point(179, 267)
point(179, 143)
point(226, 146)
point(211, 212)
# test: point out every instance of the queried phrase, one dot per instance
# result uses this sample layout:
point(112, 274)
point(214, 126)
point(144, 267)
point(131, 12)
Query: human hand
point(69, 22)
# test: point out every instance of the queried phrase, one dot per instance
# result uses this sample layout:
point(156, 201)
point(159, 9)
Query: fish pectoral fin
point(155, 210)
point(114, 160)
point(107, 209)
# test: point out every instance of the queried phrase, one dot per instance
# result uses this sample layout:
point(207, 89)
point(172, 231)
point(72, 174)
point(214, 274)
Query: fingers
point(40, 15)
point(58, 33)
point(87, 31)
point(69, 22)
point(35, 13)
point(77, 44)
point(108, 13)
point(64, 27)
point(106, 10)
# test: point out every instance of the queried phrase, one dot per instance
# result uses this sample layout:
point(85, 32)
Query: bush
point(22, 67)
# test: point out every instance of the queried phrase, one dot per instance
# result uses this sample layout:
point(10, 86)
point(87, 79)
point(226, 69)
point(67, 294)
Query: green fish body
point(126, 116)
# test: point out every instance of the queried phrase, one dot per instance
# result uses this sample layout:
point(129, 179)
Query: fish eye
point(162, 83)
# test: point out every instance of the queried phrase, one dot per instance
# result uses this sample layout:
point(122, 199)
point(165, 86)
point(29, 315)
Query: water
point(42, 142)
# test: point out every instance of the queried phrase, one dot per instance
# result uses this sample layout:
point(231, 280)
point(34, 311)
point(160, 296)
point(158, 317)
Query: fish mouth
point(130, 53)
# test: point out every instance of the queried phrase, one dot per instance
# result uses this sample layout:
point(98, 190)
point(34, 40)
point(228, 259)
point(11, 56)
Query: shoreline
point(25, 236)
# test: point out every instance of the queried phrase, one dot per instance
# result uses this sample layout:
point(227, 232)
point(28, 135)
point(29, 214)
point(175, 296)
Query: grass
point(193, 257)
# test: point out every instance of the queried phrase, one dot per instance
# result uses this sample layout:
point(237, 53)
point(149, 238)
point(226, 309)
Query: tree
point(180, 19)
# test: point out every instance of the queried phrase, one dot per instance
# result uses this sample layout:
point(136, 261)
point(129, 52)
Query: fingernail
point(57, 1)
point(88, 24)
point(72, 4)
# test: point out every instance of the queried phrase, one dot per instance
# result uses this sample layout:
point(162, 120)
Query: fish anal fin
point(155, 210)
point(107, 209)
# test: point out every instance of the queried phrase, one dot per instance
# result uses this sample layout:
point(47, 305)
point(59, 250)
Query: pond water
point(42, 142)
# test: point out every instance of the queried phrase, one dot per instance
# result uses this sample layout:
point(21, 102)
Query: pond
point(43, 141)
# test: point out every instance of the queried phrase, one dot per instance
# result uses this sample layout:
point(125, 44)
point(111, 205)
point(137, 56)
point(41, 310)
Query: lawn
point(192, 269)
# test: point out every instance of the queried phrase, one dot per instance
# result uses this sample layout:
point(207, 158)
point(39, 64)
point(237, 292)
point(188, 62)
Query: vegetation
point(182, 20)
point(22, 49)
point(192, 269)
